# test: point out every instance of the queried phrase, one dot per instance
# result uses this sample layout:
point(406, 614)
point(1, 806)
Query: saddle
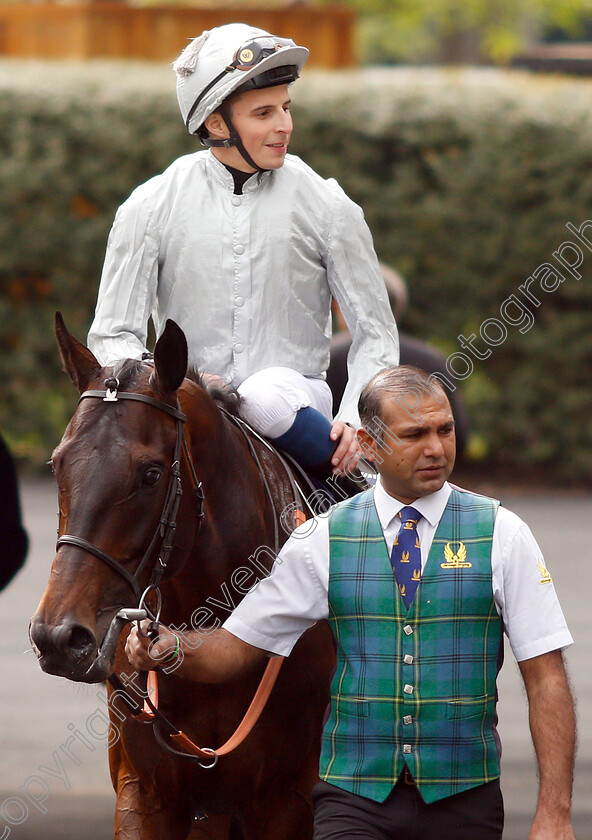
point(322, 488)
point(326, 488)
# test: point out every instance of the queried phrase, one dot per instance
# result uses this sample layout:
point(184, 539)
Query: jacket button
point(406, 748)
point(408, 689)
point(407, 719)
point(408, 629)
point(408, 659)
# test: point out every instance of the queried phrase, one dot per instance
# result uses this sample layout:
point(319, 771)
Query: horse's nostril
point(74, 640)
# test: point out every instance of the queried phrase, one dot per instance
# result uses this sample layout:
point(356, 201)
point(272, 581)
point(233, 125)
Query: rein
point(150, 713)
point(163, 538)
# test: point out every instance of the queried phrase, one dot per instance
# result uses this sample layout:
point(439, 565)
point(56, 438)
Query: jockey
point(244, 245)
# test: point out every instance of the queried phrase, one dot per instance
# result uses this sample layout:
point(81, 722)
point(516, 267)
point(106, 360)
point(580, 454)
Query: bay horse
point(145, 433)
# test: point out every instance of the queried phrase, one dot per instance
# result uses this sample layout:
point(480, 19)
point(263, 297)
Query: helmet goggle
point(245, 58)
point(255, 51)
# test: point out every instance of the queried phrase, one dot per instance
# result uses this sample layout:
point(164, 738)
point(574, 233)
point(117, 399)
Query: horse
point(166, 500)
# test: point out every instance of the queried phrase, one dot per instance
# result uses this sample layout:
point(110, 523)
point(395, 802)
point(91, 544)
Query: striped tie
point(406, 555)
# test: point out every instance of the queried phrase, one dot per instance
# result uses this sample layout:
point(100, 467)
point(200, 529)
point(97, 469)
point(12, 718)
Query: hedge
point(468, 179)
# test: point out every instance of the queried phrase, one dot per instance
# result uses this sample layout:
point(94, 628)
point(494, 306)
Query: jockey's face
point(417, 457)
point(263, 120)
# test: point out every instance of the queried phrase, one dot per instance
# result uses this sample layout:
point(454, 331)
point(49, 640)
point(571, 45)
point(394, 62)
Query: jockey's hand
point(347, 454)
point(146, 654)
point(212, 381)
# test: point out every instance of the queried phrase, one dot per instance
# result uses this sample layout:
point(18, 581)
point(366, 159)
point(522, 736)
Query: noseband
point(167, 524)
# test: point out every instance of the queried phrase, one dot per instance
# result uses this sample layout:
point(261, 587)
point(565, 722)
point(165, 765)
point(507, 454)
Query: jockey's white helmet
point(220, 61)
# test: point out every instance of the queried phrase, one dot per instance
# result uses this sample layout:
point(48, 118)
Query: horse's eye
point(152, 476)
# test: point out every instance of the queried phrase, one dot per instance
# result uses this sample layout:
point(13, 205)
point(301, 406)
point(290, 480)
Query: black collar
point(240, 178)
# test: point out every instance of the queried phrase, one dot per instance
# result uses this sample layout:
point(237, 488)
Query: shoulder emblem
point(545, 576)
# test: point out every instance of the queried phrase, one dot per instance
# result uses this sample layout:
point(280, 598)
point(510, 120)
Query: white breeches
point(271, 398)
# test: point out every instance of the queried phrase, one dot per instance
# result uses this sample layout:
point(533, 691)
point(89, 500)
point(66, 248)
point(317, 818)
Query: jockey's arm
point(210, 658)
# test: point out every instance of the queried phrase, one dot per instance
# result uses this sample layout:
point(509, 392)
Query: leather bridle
point(163, 538)
point(161, 544)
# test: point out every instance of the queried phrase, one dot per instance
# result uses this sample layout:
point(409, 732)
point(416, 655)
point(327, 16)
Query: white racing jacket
point(249, 278)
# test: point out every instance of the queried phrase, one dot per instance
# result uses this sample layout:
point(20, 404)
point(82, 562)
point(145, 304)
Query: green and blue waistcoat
point(417, 687)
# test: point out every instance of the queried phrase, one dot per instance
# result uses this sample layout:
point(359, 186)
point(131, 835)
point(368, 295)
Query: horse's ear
point(79, 363)
point(170, 358)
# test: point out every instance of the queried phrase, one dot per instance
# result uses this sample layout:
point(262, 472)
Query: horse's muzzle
point(69, 649)
point(66, 649)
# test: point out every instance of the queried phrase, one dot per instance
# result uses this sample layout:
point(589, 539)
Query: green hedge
point(467, 179)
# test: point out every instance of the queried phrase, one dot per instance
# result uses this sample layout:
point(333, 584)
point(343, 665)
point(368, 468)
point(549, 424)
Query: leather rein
point(161, 546)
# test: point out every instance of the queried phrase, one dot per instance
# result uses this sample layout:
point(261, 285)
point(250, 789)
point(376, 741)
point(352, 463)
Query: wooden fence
point(115, 30)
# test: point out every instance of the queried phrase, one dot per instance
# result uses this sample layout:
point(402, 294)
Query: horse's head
point(117, 472)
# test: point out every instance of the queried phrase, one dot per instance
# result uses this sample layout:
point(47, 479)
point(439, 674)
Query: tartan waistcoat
point(417, 687)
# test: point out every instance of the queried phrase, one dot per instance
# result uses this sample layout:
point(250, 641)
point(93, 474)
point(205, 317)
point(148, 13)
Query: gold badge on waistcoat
point(545, 576)
point(456, 560)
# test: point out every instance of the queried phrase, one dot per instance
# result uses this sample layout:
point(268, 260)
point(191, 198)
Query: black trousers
point(475, 814)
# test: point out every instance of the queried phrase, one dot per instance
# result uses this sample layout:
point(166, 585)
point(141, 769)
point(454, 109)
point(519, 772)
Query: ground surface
point(40, 712)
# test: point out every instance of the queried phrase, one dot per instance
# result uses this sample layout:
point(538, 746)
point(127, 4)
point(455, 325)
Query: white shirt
point(282, 606)
point(249, 278)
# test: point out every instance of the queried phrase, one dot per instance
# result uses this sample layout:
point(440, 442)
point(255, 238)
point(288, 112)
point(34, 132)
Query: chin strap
point(233, 140)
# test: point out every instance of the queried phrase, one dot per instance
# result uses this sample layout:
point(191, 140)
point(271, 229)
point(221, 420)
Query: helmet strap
point(234, 139)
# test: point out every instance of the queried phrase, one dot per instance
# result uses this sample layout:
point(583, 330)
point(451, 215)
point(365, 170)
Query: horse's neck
point(236, 544)
point(242, 484)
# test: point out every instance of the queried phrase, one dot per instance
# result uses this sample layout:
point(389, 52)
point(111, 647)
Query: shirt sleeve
point(127, 290)
point(278, 610)
point(524, 591)
point(356, 283)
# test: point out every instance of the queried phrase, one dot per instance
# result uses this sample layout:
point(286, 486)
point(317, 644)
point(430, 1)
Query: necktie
point(406, 555)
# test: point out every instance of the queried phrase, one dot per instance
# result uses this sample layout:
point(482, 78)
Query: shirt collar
point(431, 507)
point(223, 177)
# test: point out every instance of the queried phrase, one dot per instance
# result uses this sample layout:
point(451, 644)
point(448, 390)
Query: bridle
point(163, 539)
point(161, 544)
